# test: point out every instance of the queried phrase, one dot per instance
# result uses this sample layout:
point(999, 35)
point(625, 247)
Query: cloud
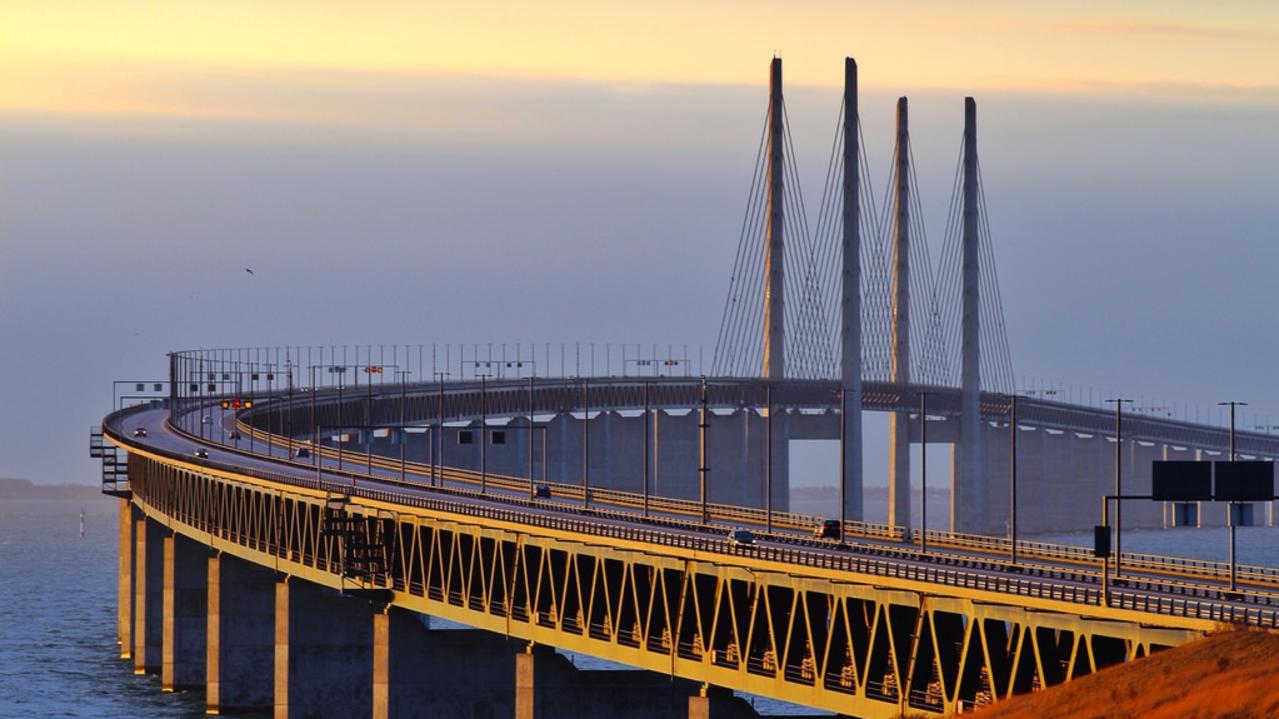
point(1158, 29)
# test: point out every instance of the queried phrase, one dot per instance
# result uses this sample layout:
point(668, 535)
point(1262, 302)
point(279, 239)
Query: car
point(233, 435)
point(140, 432)
point(202, 453)
point(826, 529)
point(301, 453)
point(542, 491)
point(741, 537)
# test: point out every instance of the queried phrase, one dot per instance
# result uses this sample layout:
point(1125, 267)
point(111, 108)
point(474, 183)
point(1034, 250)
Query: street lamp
point(923, 474)
point(586, 444)
point(702, 425)
point(404, 379)
point(1119, 456)
point(484, 423)
point(1230, 514)
point(437, 459)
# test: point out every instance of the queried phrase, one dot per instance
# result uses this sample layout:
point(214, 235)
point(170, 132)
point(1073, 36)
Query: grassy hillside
point(1232, 674)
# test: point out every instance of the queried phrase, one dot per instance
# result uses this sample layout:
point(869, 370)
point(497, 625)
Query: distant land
point(26, 489)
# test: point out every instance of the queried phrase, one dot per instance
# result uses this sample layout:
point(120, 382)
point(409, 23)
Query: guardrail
point(855, 559)
point(936, 538)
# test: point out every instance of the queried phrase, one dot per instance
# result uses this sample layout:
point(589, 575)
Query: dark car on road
point(202, 453)
point(827, 529)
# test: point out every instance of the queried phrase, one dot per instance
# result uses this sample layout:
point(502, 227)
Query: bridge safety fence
point(850, 560)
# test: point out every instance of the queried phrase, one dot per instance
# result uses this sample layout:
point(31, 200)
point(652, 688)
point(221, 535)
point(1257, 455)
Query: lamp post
point(703, 469)
point(1119, 463)
point(484, 423)
point(532, 490)
point(923, 473)
point(648, 431)
point(1230, 513)
point(843, 464)
point(437, 458)
point(768, 457)
point(1012, 479)
point(404, 379)
point(586, 444)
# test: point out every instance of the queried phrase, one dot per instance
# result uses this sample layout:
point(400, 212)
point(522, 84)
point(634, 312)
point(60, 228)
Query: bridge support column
point(124, 596)
point(323, 652)
point(409, 675)
point(148, 595)
point(185, 613)
point(547, 685)
point(718, 703)
point(239, 650)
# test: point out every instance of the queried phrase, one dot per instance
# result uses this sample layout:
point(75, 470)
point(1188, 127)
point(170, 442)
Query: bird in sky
point(248, 270)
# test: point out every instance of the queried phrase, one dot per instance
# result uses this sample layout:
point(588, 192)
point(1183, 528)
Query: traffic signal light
point(226, 404)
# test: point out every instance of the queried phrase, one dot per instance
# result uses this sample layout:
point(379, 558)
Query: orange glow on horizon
point(135, 56)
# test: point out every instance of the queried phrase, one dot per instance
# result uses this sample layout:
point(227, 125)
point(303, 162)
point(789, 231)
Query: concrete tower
point(774, 244)
point(899, 422)
point(850, 334)
point(968, 496)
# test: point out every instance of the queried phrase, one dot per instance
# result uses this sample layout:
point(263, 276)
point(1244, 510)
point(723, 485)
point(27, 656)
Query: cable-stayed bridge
point(293, 513)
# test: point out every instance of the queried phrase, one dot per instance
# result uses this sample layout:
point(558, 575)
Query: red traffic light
point(373, 369)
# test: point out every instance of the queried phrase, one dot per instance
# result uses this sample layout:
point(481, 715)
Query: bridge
point(292, 521)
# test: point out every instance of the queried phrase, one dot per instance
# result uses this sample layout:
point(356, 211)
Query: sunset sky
point(491, 171)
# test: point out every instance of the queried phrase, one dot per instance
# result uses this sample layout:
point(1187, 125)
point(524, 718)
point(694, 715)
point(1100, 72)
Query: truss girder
point(785, 631)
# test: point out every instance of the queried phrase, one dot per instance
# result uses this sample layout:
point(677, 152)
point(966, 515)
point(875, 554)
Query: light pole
point(1119, 463)
point(586, 443)
point(437, 458)
point(923, 472)
point(648, 430)
point(768, 457)
point(703, 470)
point(532, 490)
point(1230, 513)
point(404, 379)
point(484, 424)
point(1012, 480)
point(843, 464)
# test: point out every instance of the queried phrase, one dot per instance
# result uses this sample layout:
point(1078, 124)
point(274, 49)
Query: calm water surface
point(58, 614)
point(58, 647)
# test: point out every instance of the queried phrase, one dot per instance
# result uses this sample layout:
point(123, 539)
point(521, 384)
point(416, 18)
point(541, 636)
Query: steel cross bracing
point(860, 632)
point(849, 634)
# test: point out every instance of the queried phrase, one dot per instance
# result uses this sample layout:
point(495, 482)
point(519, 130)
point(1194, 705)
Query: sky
point(563, 171)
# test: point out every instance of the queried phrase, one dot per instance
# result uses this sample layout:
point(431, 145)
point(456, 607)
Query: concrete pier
point(240, 641)
point(186, 578)
point(148, 596)
point(124, 593)
point(323, 653)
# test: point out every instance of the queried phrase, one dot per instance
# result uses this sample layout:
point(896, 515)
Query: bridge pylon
point(774, 237)
point(850, 307)
point(899, 422)
point(969, 502)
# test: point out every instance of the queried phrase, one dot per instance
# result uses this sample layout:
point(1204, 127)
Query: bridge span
point(299, 582)
point(291, 521)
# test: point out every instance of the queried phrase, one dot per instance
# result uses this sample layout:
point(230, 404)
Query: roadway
point(1065, 577)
